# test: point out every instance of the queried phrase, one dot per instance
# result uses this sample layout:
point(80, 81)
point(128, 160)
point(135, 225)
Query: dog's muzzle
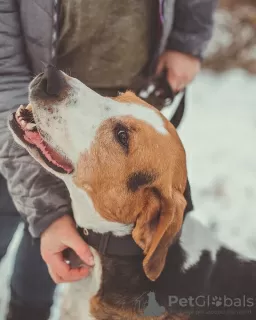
point(48, 84)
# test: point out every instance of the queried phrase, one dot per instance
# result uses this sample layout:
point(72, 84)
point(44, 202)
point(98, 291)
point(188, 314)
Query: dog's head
point(119, 153)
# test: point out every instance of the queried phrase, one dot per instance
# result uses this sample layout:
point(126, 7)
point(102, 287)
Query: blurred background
point(219, 134)
point(219, 129)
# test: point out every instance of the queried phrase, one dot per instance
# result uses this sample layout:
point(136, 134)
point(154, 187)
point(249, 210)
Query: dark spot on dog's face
point(139, 179)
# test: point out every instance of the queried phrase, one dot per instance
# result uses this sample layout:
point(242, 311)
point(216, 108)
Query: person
point(108, 45)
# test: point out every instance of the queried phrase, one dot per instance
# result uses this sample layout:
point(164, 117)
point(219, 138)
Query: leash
point(159, 93)
point(168, 101)
point(179, 112)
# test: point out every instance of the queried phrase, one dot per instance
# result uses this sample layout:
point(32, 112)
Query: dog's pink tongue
point(33, 137)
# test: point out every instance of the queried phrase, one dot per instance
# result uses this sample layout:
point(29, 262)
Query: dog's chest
point(116, 289)
point(78, 295)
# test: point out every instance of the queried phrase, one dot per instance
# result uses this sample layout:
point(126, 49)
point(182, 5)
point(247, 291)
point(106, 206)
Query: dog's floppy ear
point(156, 227)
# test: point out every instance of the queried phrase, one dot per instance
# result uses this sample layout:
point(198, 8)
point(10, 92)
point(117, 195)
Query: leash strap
point(178, 114)
point(160, 94)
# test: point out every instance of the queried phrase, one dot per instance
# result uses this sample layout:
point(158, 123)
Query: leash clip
point(85, 232)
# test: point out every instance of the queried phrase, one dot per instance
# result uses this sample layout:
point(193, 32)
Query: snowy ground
point(219, 133)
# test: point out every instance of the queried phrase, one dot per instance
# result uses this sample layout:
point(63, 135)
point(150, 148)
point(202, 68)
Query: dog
point(125, 168)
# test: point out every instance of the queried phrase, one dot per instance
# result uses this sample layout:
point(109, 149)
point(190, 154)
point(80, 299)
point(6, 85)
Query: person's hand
point(181, 68)
point(60, 235)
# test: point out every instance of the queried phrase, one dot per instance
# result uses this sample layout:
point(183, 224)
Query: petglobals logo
point(212, 301)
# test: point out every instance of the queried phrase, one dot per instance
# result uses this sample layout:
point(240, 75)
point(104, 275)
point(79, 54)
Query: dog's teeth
point(29, 107)
point(30, 126)
point(21, 107)
point(23, 123)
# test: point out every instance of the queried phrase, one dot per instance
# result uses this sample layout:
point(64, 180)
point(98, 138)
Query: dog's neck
point(88, 218)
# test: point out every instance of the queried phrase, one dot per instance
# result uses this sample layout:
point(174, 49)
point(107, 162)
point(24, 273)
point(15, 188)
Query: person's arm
point(186, 44)
point(41, 198)
point(192, 26)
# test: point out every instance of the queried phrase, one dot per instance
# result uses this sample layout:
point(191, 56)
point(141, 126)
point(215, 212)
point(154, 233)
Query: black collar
point(109, 244)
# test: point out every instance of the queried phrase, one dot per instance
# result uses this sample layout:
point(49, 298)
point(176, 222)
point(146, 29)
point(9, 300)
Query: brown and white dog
point(125, 168)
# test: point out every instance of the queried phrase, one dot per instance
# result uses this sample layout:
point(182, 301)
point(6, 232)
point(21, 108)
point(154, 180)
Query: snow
point(219, 133)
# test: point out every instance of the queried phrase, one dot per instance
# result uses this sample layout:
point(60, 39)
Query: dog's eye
point(122, 136)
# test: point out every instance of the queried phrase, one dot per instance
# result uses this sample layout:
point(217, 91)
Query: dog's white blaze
point(78, 295)
point(82, 136)
point(196, 238)
point(79, 117)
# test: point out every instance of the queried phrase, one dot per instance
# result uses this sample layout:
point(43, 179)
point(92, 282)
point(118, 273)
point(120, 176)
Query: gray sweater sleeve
point(39, 196)
point(192, 27)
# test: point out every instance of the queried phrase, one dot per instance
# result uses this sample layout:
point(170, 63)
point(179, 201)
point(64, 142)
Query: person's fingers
point(60, 271)
point(177, 82)
point(73, 275)
point(80, 247)
point(77, 274)
point(180, 87)
point(173, 81)
point(58, 265)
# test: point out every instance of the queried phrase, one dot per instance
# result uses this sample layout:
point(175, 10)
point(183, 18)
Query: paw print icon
point(148, 305)
point(216, 301)
point(153, 308)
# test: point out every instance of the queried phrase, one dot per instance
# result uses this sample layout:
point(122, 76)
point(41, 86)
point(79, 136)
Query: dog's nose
point(49, 84)
point(55, 80)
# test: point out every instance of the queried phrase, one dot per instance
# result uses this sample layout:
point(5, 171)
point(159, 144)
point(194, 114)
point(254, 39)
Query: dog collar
point(109, 244)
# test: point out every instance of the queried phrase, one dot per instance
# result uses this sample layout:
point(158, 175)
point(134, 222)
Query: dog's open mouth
point(25, 128)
